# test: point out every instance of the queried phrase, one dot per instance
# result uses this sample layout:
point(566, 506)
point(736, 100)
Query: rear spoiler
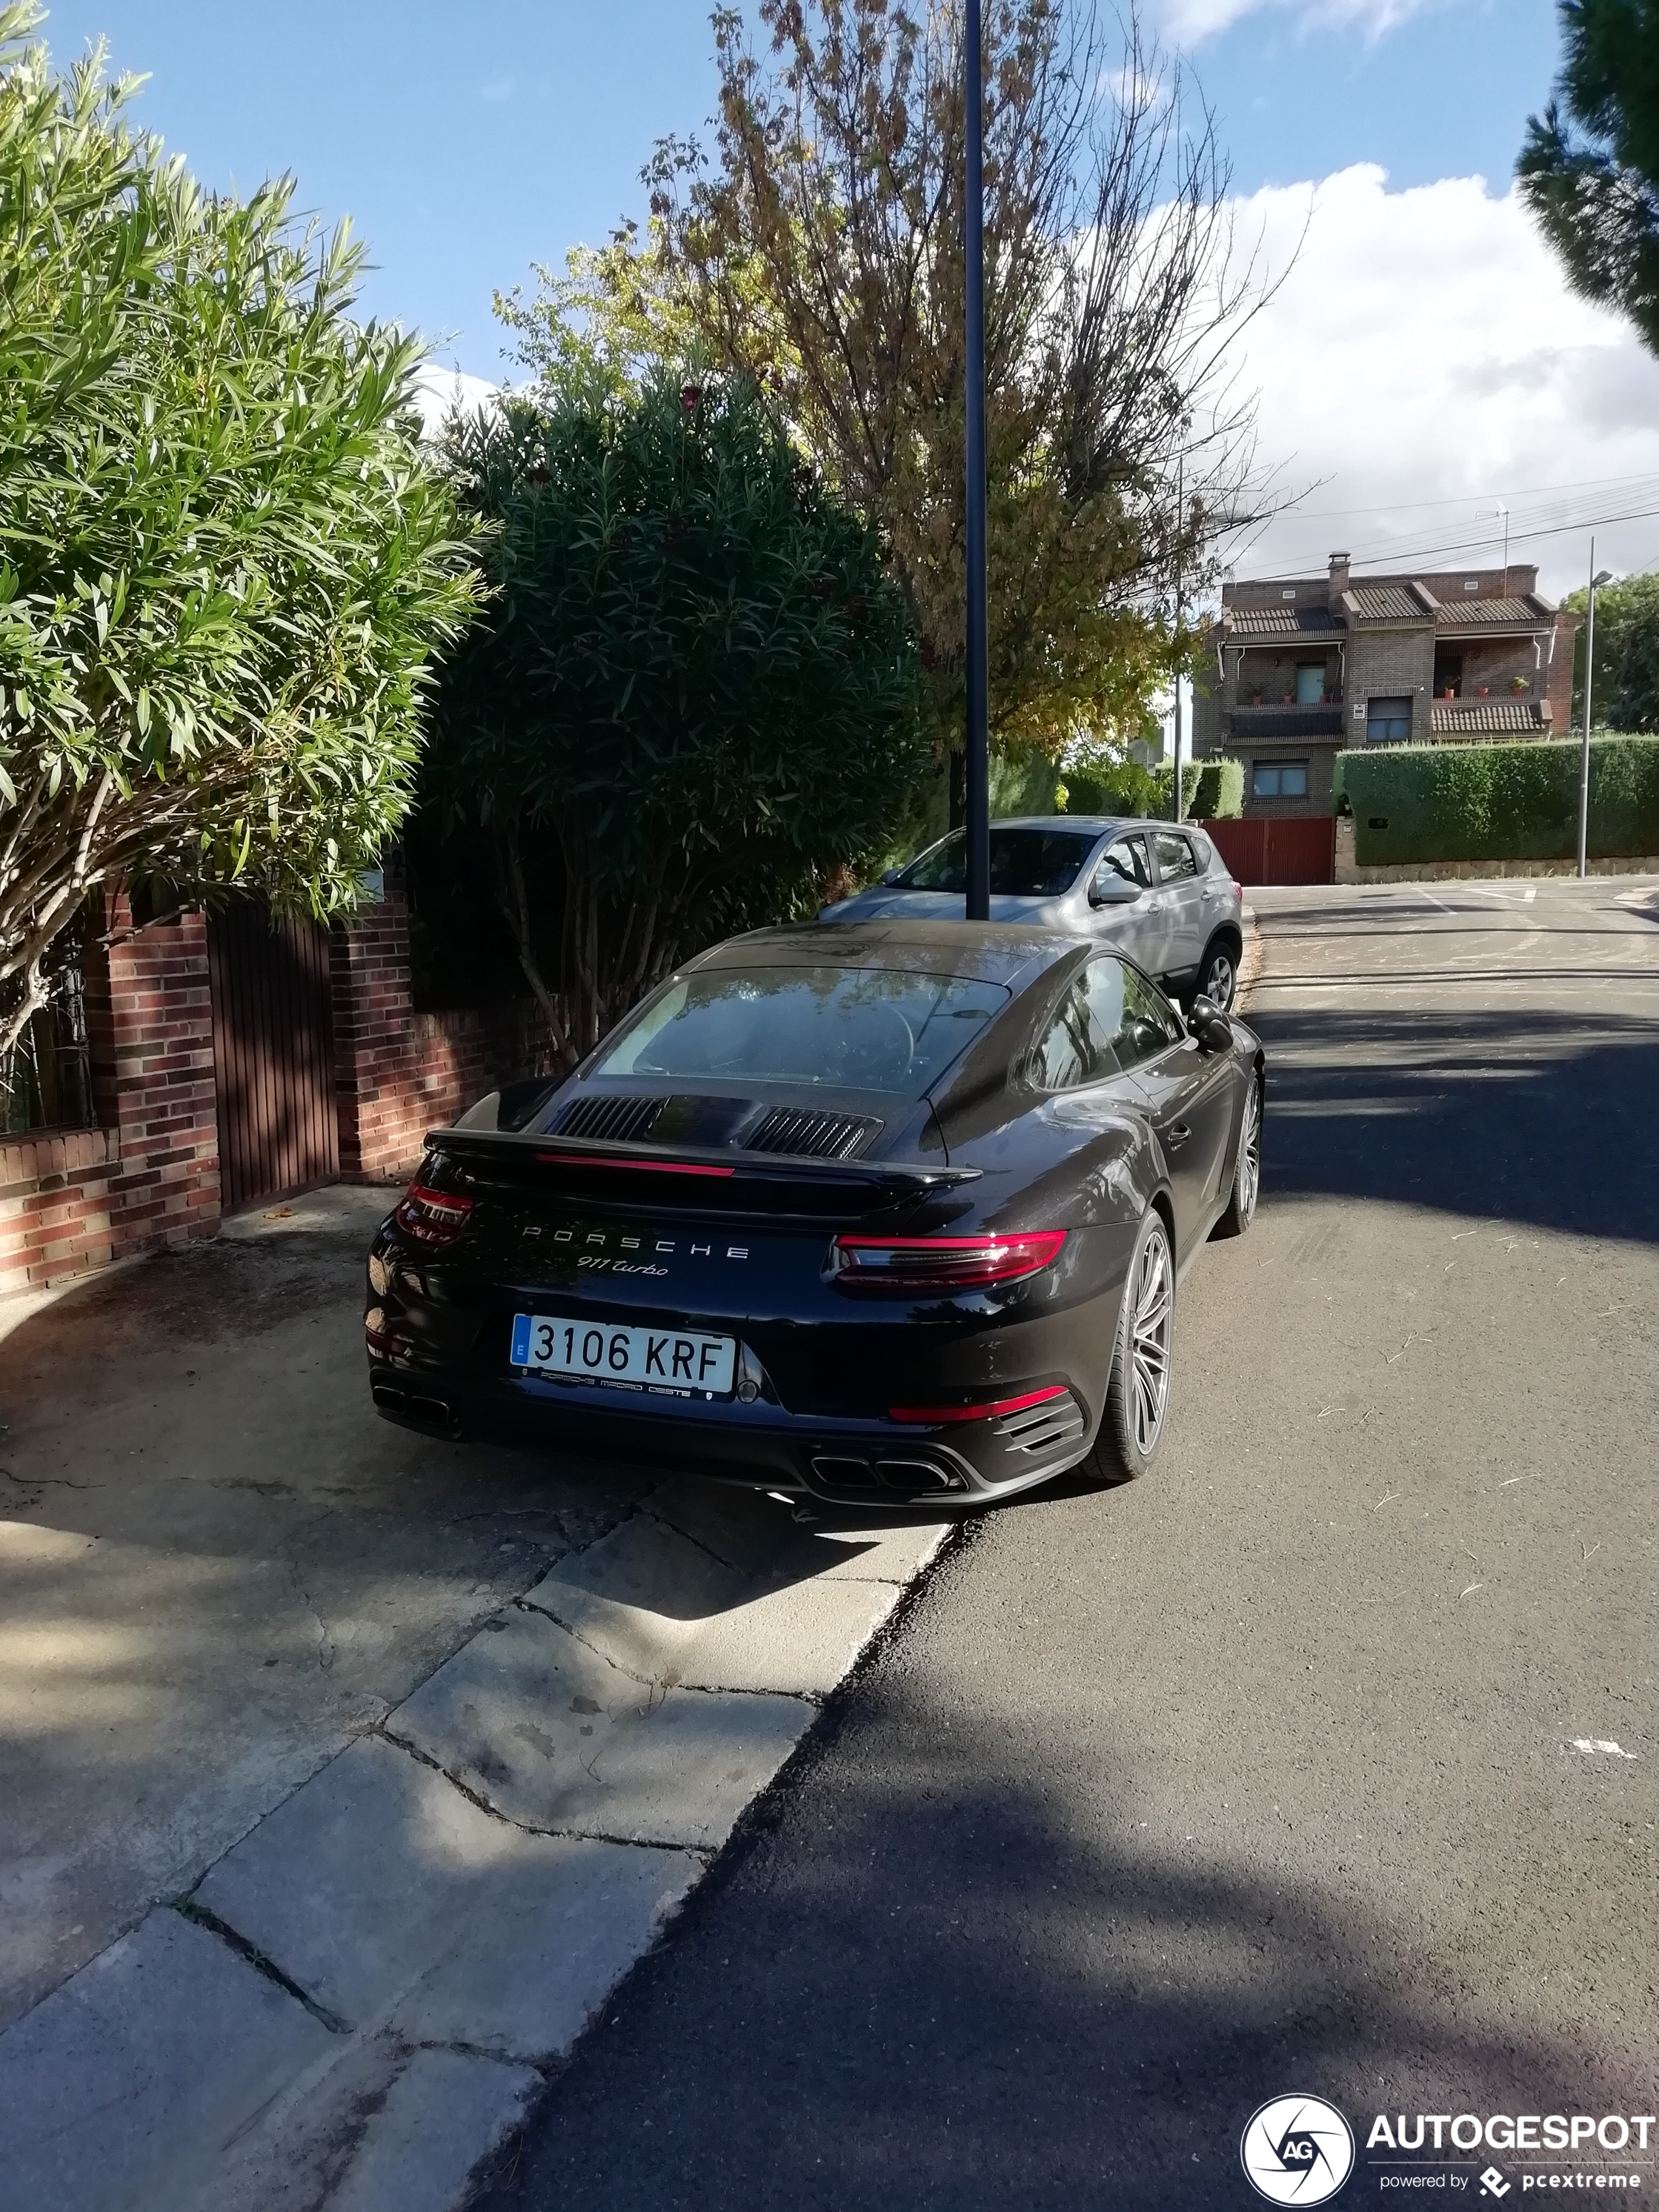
point(513, 1147)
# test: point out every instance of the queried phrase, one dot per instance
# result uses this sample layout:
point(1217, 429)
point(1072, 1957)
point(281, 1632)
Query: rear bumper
point(874, 1462)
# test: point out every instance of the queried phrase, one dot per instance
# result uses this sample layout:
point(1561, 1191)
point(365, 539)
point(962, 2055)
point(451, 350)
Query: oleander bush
point(1500, 802)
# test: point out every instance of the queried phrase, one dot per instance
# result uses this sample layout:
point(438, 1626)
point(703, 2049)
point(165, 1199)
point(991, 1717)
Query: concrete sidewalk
point(330, 1927)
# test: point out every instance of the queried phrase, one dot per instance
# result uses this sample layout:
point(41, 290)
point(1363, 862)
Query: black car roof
point(1007, 952)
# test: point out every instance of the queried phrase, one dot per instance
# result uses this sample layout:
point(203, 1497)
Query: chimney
point(1339, 583)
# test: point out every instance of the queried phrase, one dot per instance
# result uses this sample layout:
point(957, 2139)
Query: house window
point(1279, 779)
point(1310, 682)
point(1448, 676)
point(1388, 721)
point(45, 1081)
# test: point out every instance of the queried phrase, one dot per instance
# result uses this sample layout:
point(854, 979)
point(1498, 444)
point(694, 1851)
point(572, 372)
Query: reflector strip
point(648, 1167)
point(985, 1412)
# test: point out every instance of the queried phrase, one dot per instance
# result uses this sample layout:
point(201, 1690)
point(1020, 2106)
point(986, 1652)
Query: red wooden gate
point(273, 1055)
point(1277, 849)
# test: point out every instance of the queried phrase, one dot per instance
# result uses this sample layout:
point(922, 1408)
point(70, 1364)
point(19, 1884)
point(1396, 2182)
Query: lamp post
point(976, 775)
point(1598, 577)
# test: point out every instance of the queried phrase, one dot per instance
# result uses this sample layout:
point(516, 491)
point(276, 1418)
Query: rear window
point(853, 1029)
point(1024, 863)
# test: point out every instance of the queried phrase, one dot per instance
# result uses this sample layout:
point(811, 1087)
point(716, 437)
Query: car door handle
point(1176, 1135)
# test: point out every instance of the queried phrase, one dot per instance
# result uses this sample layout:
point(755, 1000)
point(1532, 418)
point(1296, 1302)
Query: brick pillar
point(150, 1013)
point(386, 1095)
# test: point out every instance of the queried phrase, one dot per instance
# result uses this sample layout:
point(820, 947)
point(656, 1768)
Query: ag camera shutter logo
point(1297, 2150)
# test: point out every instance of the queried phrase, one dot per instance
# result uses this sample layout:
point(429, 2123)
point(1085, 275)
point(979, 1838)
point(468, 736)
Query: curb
point(359, 2003)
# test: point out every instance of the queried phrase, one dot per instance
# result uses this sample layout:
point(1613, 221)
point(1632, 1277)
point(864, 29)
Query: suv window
point(1110, 1019)
point(1126, 858)
point(1175, 856)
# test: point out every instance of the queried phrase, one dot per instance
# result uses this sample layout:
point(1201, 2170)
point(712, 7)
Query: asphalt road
point(1263, 1774)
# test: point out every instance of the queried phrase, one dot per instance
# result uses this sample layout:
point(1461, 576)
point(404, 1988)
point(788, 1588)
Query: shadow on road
point(1536, 1116)
point(776, 2054)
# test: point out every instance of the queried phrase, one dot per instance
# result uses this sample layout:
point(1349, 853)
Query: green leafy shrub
point(1480, 802)
point(1209, 788)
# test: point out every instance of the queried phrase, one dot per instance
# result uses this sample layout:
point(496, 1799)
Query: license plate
point(676, 1360)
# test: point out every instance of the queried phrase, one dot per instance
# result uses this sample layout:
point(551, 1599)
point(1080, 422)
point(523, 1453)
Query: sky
point(1421, 363)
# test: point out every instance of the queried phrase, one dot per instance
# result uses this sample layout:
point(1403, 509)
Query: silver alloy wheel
point(1218, 984)
point(1149, 1341)
point(1248, 1170)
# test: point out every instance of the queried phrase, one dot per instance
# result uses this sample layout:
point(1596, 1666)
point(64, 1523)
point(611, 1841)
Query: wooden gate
point(1277, 849)
point(273, 1055)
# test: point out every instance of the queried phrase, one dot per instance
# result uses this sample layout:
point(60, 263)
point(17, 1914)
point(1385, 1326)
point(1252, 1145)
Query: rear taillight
point(1238, 892)
point(984, 1410)
point(901, 1265)
point(432, 1217)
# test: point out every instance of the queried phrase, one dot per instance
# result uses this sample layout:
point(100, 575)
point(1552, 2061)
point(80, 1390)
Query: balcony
point(1285, 718)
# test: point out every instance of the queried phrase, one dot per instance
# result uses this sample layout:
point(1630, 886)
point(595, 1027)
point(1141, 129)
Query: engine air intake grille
point(808, 1135)
point(622, 1119)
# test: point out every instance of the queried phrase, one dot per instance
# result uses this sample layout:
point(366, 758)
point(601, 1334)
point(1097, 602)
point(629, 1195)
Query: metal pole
point(977, 733)
point(1180, 511)
point(1583, 758)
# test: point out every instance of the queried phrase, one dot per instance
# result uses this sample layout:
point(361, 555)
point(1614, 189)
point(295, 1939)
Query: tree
point(1596, 198)
point(692, 689)
point(820, 252)
point(224, 565)
point(1627, 691)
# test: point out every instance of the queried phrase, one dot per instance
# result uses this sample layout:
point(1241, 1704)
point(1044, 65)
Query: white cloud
point(437, 391)
point(1425, 348)
point(1188, 22)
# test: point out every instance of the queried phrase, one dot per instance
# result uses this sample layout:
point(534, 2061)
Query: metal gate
point(1277, 849)
point(273, 1055)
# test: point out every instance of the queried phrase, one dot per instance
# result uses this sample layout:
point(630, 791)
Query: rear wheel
point(1138, 1393)
point(1247, 1168)
point(1218, 973)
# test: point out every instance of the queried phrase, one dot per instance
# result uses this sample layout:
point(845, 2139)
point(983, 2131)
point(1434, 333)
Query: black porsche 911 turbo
point(890, 1212)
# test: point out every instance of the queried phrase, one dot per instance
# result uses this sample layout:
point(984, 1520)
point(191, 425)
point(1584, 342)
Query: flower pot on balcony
point(1517, 684)
point(1483, 693)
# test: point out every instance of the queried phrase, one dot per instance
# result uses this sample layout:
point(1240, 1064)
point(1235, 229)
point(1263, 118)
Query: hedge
point(1498, 802)
point(1208, 788)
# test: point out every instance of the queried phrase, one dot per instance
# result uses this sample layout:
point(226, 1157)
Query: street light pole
point(1597, 578)
point(977, 733)
point(1179, 512)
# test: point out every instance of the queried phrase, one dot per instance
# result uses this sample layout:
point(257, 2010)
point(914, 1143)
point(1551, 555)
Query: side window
point(1175, 856)
point(1081, 1044)
point(1148, 1026)
point(1202, 850)
point(1126, 858)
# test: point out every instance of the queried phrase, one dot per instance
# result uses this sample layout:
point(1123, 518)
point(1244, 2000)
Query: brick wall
point(1390, 665)
point(1557, 674)
point(148, 1175)
point(398, 1073)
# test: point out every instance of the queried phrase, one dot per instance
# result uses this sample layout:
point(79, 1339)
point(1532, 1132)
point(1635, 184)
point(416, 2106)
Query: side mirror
point(891, 875)
point(1113, 890)
point(1210, 1026)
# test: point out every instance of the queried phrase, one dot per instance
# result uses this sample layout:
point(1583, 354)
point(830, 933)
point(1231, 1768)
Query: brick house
point(205, 1065)
point(1294, 672)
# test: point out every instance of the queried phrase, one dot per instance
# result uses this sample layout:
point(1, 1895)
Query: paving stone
point(656, 1602)
point(446, 2112)
point(759, 1537)
point(383, 1892)
point(117, 2091)
point(554, 1735)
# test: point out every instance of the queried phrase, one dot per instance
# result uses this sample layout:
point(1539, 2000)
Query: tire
point(1136, 1405)
point(1240, 1209)
point(1218, 973)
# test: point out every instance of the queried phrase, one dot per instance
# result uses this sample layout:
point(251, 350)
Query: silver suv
point(1159, 891)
